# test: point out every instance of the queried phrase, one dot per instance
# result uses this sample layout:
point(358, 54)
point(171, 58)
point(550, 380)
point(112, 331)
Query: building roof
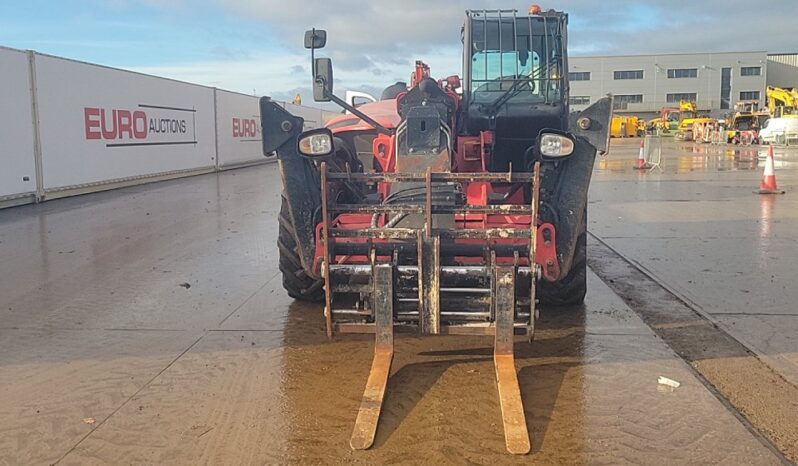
point(642, 55)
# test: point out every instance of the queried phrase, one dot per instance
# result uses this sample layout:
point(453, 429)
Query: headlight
point(316, 143)
point(555, 145)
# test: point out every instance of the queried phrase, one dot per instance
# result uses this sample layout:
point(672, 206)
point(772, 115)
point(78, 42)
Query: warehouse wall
point(783, 70)
point(69, 127)
point(656, 84)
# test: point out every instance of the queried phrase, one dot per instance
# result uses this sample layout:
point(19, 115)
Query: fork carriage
point(455, 269)
point(443, 276)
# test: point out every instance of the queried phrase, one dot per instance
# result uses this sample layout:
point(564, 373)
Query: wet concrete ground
point(148, 326)
point(697, 227)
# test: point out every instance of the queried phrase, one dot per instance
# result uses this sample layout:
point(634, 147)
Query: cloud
point(371, 42)
point(388, 35)
point(260, 74)
point(275, 75)
point(367, 27)
point(225, 53)
point(656, 27)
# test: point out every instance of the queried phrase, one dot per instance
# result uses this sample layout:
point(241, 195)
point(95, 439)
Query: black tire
point(296, 281)
point(572, 288)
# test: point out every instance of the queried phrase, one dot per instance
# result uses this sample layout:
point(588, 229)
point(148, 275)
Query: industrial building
point(643, 84)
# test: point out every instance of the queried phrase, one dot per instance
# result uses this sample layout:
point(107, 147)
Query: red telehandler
point(452, 207)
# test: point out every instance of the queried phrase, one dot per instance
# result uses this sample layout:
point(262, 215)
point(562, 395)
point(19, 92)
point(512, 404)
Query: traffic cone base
point(769, 191)
point(768, 184)
point(641, 158)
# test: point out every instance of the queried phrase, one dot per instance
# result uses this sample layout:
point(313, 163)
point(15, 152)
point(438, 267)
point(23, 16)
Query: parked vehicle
point(782, 130)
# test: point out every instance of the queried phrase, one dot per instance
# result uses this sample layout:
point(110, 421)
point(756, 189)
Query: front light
point(556, 145)
point(316, 145)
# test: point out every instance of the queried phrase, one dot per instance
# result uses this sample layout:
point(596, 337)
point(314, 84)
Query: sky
point(255, 46)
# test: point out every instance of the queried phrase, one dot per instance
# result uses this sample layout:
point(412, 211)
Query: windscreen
point(522, 56)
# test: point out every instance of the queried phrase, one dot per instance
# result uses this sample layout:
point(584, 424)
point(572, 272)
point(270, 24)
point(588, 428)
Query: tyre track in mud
point(760, 398)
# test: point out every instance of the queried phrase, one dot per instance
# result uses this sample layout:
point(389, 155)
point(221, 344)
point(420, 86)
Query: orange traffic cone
point(641, 157)
point(768, 184)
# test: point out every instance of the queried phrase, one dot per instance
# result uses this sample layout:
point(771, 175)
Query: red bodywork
point(472, 154)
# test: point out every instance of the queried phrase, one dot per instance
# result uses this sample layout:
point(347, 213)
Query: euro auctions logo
point(247, 129)
point(148, 125)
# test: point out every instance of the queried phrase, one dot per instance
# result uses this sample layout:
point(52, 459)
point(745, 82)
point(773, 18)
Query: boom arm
point(779, 98)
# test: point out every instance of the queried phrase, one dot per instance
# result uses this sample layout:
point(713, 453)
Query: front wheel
point(296, 280)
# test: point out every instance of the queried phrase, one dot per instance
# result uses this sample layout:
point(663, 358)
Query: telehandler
point(451, 207)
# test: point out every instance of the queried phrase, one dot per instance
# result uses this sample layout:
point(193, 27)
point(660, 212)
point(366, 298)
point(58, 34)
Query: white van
point(779, 130)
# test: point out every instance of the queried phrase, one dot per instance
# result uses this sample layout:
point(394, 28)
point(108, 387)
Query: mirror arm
point(313, 58)
point(358, 113)
point(336, 99)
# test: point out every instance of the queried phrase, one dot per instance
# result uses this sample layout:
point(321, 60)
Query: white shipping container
point(100, 125)
point(238, 130)
point(18, 166)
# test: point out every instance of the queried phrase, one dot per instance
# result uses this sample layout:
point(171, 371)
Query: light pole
point(657, 70)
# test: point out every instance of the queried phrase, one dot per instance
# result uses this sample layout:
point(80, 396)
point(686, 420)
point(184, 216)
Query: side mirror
point(315, 39)
point(323, 81)
point(316, 143)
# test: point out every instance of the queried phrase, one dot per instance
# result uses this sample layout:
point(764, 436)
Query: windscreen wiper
point(492, 108)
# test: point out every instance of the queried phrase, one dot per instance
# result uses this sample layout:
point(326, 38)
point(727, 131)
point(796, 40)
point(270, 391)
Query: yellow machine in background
point(782, 101)
point(689, 118)
point(747, 106)
point(747, 118)
point(667, 122)
point(623, 126)
point(641, 127)
point(782, 126)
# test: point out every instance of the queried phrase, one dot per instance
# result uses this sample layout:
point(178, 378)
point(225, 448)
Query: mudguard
point(301, 183)
point(564, 184)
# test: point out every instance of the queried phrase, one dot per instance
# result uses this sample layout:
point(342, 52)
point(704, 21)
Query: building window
point(683, 73)
point(725, 88)
point(579, 100)
point(621, 102)
point(579, 76)
point(633, 74)
point(749, 95)
point(679, 96)
point(751, 71)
